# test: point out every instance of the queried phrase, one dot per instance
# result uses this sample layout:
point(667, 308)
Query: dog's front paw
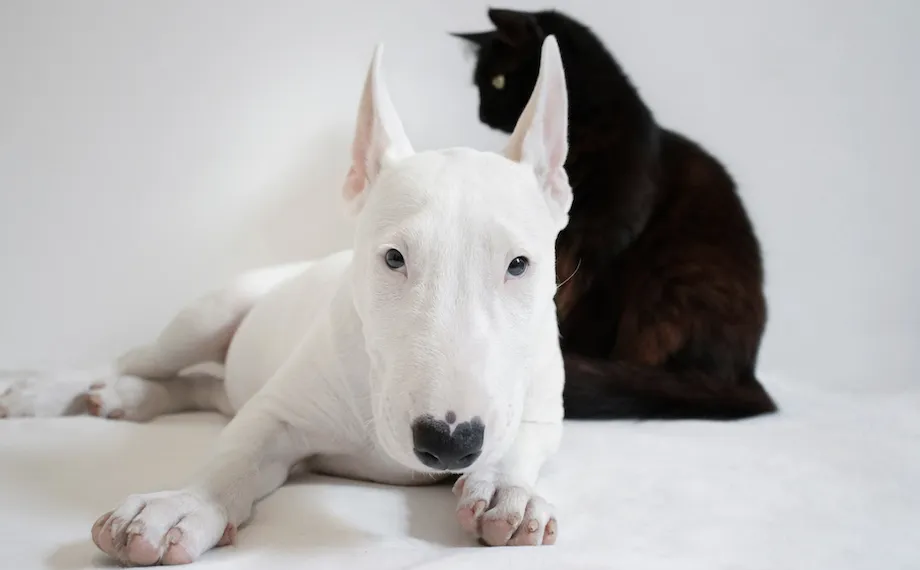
point(503, 515)
point(173, 527)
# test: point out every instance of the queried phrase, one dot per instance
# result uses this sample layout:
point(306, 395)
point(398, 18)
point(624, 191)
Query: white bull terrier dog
point(430, 349)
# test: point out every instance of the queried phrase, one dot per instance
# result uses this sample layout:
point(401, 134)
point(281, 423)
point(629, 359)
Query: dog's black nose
point(438, 448)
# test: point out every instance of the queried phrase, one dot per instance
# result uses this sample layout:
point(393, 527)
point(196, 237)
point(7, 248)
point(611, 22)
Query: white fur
point(333, 359)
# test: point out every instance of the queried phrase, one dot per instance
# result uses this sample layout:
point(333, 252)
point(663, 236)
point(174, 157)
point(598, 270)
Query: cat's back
point(700, 201)
point(699, 244)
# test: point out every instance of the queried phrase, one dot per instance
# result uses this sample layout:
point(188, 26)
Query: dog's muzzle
point(439, 447)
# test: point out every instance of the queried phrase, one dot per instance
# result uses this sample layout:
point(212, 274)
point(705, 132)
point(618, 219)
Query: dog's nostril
point(439, 447)
point(468, 459)
point(429, 459)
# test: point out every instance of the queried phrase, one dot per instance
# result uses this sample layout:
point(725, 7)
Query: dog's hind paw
point(503, 515)
point(173, 527)
point(37, 394)
point(127, 398)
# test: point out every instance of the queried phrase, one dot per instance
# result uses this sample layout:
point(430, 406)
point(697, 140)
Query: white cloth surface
point(832, 482)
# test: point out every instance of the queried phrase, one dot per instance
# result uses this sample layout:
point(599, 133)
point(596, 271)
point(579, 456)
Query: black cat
point(662, 307)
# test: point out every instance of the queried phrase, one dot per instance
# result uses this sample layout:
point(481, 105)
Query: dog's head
point(454, 274)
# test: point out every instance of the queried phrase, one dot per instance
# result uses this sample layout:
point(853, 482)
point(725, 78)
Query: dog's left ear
point(540, 137)
point(379, 136)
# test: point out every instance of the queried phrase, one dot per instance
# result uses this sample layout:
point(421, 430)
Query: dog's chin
point(411, 462)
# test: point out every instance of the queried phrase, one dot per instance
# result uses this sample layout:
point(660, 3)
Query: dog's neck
point(349, 337)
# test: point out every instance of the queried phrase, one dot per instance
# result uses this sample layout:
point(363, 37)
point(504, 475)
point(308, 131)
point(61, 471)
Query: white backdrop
point(150, 149)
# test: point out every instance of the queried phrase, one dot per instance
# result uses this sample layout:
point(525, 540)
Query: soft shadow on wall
point(300, 216)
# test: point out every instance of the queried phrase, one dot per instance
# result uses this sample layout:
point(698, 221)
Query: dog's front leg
point(253, 458)
point(499, 504)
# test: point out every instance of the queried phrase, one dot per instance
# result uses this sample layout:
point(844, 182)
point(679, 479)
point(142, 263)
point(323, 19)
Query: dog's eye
point(394, 259)
point(498, 82)
point(518, 266)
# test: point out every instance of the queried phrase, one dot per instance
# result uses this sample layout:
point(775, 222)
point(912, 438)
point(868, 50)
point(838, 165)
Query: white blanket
point(832, 483)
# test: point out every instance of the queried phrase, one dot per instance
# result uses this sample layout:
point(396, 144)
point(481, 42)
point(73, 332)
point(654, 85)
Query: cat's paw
point(503, 515)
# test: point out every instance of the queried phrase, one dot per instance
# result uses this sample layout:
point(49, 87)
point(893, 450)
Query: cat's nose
point(437, 447)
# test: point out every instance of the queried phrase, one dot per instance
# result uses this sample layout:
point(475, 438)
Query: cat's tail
point(602, 389)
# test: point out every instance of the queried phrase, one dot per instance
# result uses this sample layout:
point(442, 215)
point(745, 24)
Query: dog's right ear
point(540, 138)
point(379, 136)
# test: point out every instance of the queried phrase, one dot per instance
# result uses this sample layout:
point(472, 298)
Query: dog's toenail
point(478, 508)
point(533, 525)
point(97, 386)
point(116, 415)
point(229, 536)
point(93, 406)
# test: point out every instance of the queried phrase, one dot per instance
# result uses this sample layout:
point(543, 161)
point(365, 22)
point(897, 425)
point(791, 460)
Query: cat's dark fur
point(662, 308)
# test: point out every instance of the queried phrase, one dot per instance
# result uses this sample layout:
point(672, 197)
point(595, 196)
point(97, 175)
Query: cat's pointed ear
point(379, 136)
point(477, 39)
point(515, 27)
point(540, 138)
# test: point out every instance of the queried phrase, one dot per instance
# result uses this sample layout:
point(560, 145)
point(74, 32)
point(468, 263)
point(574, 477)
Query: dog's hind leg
point(147, 381)
point(138, 399)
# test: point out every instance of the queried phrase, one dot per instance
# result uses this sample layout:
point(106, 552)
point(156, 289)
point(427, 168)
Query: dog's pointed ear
point(476, 39)
point(514, 27)
point(540, 138)
point(379, 136)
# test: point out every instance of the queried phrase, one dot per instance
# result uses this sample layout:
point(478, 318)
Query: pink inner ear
point(361, 149)
point(354, 184)
point(555, 122)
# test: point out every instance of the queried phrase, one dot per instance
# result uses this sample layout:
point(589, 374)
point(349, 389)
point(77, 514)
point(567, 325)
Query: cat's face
point(507, 64)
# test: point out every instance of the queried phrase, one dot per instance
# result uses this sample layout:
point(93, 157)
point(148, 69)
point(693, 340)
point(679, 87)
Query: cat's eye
point(518, 266)
point(394, 259)
point(498, 82)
